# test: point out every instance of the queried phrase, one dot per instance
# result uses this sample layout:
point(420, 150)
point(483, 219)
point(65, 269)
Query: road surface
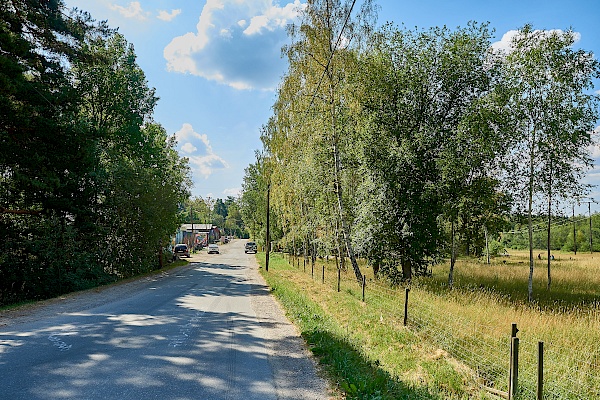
point(209, 330)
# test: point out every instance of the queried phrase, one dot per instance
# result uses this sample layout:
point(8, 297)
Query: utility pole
point(268, 236)
point(193, 245)
point(589, 203)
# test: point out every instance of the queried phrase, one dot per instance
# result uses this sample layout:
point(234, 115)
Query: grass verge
point(365, 355)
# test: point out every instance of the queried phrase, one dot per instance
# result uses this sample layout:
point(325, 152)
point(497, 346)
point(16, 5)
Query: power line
point(559, 223)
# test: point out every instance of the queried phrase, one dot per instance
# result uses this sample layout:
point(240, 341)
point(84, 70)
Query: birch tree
point(546, 88)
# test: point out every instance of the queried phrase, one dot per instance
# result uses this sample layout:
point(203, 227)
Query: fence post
point(339, 278)
point(540, 385)
point(312, 270)
point(513, 334)
point(363, 287)
point(406, 306)
point(514, 369)
point(323, 280)
point(305, 265)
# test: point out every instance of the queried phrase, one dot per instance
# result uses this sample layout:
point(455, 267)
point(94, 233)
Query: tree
point(545, 85)
point(428, 137)
point(320, 58)
point(45, 153)
point(220, 208)
point(90, 184)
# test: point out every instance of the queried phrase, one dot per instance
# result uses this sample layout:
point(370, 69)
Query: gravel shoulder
point(289, 356)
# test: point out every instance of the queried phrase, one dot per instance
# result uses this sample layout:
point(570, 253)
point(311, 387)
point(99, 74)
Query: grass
point(575, 280)
point(365, 356)
point(471, 323)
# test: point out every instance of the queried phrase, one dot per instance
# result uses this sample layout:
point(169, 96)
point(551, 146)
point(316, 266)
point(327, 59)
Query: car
point(250, 247)
point(213, 248)
point(181, 250)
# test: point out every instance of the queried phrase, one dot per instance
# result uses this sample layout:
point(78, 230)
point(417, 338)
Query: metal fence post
point(323, 280)
point(339, 278)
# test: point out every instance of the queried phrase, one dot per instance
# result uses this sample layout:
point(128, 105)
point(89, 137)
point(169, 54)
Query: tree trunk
point(530, 221)
point(161, 261)
point(337, 172)
point(487, 244)
point(406, 269)
point(452, 259)
point(549, 223)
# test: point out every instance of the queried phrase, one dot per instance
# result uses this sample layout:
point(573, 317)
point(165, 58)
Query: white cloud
point(228, 49)
point(168, 16)
point(235, 192)
point(133, 10)
point(505, 44)
point(274, 18)
point(204, 163)
point(188, 148)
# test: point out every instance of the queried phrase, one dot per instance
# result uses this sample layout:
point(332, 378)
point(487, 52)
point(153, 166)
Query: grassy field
point(456, 340)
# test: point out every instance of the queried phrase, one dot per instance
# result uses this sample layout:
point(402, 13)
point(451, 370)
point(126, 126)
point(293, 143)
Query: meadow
point(457, 341)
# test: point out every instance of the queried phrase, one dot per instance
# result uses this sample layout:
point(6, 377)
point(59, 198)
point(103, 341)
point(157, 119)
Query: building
point(197, 234)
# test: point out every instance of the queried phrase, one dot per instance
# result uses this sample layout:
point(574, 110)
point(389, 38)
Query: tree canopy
point(406, 145)
point(90, 183)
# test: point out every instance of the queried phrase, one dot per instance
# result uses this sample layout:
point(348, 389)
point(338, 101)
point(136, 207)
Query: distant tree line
point(225, 214)
point(90, 184)
point(408, 146)
point(563, 230)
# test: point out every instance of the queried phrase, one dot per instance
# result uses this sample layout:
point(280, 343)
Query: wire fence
point(482, 344)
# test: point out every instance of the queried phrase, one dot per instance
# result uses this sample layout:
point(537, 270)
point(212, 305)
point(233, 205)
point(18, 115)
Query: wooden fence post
point(406, 306)
point(540, 385)
point(513, 372)
point(514, 369)
point(363, 287)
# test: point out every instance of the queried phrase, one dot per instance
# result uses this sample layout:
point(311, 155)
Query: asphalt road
point(209, 330)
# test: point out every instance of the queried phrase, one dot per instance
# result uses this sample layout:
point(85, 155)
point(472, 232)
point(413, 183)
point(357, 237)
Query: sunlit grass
point(368, 355)
point(471, 322)
point(575, 280)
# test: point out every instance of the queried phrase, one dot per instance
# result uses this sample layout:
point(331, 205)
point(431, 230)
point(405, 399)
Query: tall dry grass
point(472, 321)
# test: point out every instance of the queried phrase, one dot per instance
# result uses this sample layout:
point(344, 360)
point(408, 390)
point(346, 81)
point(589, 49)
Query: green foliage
point(407, 146)
point(561, 234)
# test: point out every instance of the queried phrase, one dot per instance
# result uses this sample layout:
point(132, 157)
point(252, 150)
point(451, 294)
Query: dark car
point(181, 250)
point(250, 248)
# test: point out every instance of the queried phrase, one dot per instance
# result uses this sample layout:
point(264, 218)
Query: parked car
point(213, 248)
point(181, 250)
point(250, 247)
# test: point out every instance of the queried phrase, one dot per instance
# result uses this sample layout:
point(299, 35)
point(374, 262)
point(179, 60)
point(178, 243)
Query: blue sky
point(215, 63)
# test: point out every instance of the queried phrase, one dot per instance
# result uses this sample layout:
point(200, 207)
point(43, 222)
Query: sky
point(215, 64)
